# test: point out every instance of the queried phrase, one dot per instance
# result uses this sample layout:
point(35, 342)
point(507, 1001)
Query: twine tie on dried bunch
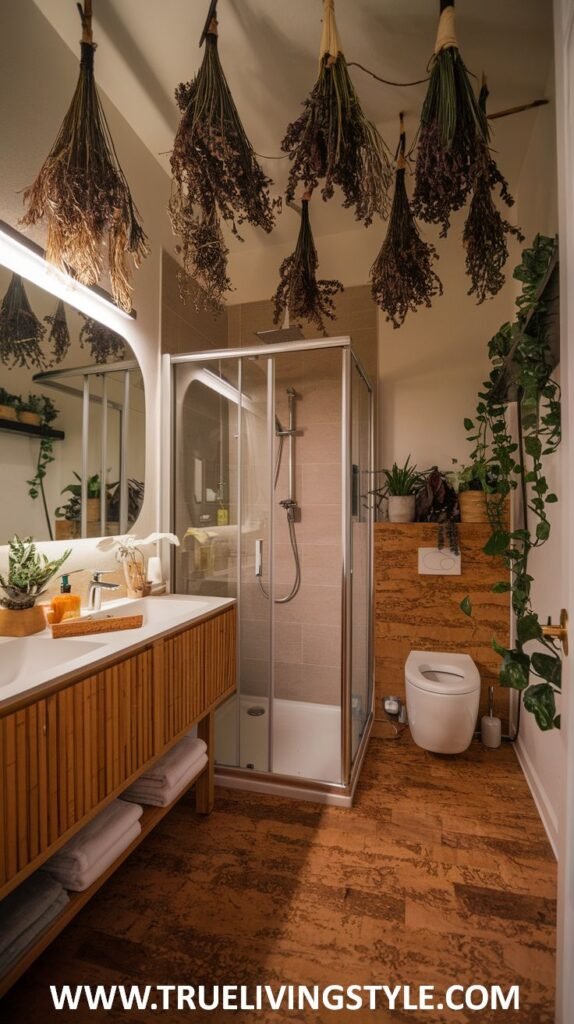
point(299, 291)
point(82, 193)
point(216, 175)
point(333, 142)
point(402, 276)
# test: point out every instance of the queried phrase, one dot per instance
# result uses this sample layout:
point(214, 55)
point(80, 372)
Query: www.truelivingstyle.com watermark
point(262, 998)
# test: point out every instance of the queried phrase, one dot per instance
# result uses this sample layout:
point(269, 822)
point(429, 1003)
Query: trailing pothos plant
point(521, 365)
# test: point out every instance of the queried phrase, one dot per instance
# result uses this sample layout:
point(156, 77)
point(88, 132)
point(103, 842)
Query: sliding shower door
point(361, 555)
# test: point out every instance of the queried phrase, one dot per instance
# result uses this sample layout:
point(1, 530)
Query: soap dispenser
point(65, 605)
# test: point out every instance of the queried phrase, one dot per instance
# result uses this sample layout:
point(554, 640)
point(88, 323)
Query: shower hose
point(292, 538)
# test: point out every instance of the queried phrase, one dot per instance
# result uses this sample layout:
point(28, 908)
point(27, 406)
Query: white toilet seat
point(438, 673)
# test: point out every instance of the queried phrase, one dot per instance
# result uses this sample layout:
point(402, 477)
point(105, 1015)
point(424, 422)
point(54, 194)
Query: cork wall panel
point(415, 612)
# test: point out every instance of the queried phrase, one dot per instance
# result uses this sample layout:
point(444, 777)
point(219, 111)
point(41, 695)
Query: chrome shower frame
point(324, 792)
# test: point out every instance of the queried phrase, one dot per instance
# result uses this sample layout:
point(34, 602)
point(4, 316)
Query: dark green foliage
point(59, 336)
point(105, 345)
point(299, 291)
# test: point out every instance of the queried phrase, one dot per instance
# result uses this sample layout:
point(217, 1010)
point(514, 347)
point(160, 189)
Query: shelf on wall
point(15, 427)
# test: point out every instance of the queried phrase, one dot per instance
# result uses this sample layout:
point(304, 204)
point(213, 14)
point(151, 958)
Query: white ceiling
point(269, 52)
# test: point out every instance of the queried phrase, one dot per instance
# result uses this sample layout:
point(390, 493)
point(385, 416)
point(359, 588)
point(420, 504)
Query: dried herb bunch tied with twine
point(21, 332)
point(332, 141)
point(105, 345)
point(83, 193)
point(59, 337)
point(215, 174)
point(299, 291)
point(453, 134)
point(486, 232)
point(402, 276)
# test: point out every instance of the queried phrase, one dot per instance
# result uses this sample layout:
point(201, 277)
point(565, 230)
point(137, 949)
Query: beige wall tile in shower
point(314, 603)
point(322, 563)
point(318, 684)
point(287, 680)
point(321, 442)
point(320, 524)
point(321, 645)
point(254, 640)
point(254, 678)
point(288, 642)
point(321, 483)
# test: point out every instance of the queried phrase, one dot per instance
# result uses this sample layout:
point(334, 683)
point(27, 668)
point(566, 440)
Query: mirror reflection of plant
point(135, 500)
point(47, 412)
point(28, 573)
point(21, 333)
point(520, 463)
point(105, 345)
point(59, 336)
point(437, 502)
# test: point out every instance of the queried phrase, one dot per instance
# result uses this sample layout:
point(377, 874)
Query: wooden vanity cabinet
point(65, 755)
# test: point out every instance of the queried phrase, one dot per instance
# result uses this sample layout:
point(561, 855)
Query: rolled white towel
point(155, 796)
point(92, 841)
point(22, 908)
point(33, 932)
point(173, 765)
point(77, 880)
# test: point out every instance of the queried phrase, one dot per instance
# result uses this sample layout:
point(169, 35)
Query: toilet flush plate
point(434, 562)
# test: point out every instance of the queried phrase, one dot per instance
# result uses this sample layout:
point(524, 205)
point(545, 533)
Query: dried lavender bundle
point(299, 291)
point(332, 141)
point(21, 333)
point(453, 132)
point(204, 255)
point(59, 336)
point(212, 158)
point(82, 191)
point(486, 231)
point(402, 276)
point(105, 345)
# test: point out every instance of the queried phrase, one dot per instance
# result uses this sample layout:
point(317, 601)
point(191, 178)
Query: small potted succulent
point(8, 405)
point(400, 486)
point(26, 579)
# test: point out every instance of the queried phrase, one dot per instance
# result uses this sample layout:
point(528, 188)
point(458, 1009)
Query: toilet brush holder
point(490, 726)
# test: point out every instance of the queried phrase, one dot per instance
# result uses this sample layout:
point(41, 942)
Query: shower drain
point(256, 711)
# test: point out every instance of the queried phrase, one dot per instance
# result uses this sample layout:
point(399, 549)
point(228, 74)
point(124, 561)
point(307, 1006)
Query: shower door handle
point(259, 557)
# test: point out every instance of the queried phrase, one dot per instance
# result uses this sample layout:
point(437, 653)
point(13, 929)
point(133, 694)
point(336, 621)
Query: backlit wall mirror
point(72, 420)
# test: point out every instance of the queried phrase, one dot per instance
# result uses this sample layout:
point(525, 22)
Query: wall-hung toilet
point(443, 694)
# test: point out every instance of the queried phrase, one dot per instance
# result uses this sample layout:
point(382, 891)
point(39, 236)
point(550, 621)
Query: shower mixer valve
point(292, 509)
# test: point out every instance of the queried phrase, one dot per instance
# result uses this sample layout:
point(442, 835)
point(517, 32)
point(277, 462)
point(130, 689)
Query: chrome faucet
point(97, 584)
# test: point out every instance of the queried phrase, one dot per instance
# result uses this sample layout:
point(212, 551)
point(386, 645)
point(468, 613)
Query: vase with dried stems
point(82, 191)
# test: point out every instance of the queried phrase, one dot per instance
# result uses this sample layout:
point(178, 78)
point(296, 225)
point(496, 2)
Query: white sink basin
point(156, 611)
point(23, 658)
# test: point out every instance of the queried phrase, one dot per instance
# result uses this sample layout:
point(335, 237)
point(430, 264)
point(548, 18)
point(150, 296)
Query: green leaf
point(513, 673)
point(549, 667)
point(468, 424)
point(497, 543)
point(466, 606)
point(503, 651)
point(551, 498)
point(533, 447)
point(557, 722)
point(501, 588)
point(540, 701)
point(528, 628)
point(543, 530)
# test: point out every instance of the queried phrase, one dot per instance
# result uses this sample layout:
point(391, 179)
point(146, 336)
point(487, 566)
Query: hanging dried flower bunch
point(485, 232)
point(332, 140)
point(21, 333)
point(82, 191)
point(59, 336)
point(105, 345)
point(204, 254)
point(299, 291)
point(215, 173)
point(453, 132)
point(402, 276)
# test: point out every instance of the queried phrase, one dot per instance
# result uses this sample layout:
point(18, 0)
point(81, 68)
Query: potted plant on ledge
point(400, 486)
point(28, 573)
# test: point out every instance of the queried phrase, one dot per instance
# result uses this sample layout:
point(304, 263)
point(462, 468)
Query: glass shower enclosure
point(271, 451)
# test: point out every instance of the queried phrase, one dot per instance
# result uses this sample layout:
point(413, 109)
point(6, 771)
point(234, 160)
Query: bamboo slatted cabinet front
point(66, 753)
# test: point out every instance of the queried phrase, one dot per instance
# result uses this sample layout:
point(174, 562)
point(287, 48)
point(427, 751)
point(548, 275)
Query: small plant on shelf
point(28, 574)
point(399, 487)
point(9, 404)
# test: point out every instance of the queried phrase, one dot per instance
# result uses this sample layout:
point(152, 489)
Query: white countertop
point(32, 664)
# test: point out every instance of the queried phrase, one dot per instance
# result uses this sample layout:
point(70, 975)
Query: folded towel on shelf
point(92, 842)
point(146, 792)
point(77, 879)
point(25, 912)
point(175, 764)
